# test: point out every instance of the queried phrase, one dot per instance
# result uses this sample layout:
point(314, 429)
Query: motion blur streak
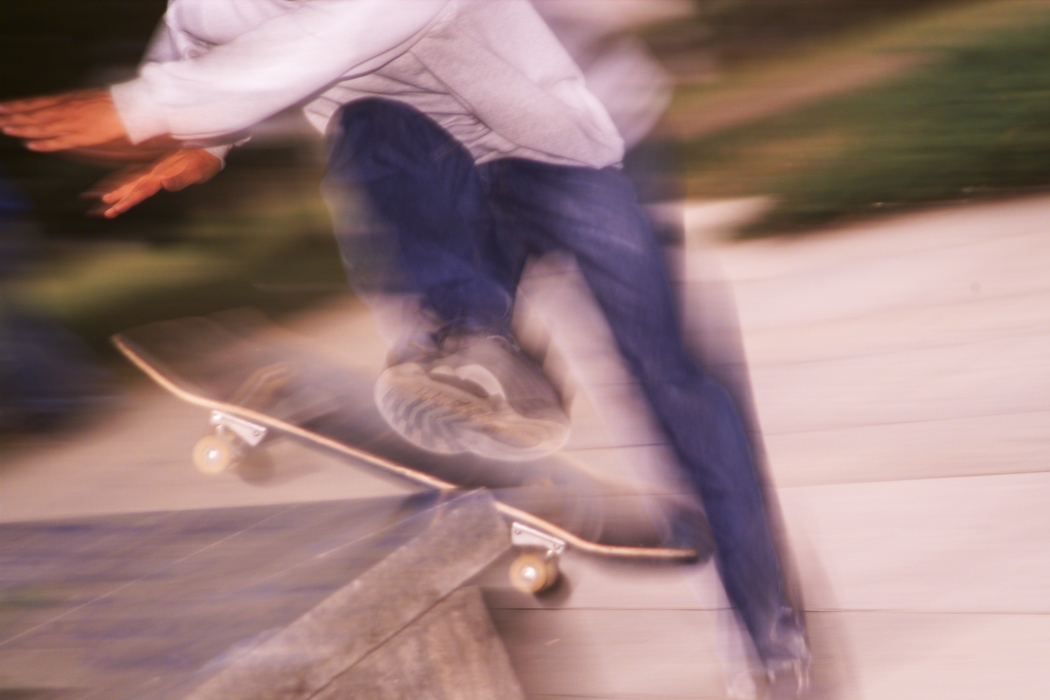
point(851, 198)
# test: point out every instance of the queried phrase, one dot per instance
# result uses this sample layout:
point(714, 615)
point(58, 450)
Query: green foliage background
point(975, 120)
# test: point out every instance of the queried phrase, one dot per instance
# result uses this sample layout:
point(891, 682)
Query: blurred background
point(870, 177)
point(838, 109)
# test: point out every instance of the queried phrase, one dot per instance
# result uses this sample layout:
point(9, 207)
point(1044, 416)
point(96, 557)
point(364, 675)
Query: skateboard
point(259, 382)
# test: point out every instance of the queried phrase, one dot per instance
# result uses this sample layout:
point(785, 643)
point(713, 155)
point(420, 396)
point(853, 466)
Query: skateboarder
point(472, 133)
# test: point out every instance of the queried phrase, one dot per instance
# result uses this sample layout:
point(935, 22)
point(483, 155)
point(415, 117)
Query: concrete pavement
point(900, 377)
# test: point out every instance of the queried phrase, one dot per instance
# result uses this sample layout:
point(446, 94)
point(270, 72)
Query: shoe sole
point(443, 417)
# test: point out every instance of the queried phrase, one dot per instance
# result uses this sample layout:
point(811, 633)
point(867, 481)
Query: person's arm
point(162, 47)
point(279, 63)
point(70, 120)
point(232, 86)
point(221, 92)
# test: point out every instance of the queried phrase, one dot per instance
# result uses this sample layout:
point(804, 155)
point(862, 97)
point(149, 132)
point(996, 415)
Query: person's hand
point(62, 122)
point(123, 152)
point(173, 172)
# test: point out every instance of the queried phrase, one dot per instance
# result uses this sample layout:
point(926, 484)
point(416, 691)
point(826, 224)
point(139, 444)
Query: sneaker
point(788, 680)
point(477, 394)
point(787, 669)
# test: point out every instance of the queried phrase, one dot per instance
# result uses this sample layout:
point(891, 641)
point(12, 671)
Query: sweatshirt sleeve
point(161, 47)
point(278, 63)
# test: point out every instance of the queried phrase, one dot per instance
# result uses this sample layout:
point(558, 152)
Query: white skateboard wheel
point(214, 454)
point(533, 573)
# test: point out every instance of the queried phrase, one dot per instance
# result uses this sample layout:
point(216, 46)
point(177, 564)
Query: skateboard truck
point(218, 451)
point(536, 568)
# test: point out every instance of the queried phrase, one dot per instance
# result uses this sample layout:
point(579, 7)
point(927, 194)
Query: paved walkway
point(900, 376)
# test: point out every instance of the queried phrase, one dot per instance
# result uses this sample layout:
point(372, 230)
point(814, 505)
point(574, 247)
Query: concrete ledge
point(452, 651)
point(296, 663)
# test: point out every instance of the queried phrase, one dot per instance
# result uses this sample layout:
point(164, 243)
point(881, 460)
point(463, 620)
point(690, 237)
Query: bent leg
point(432, 235)
point(460, 384)
point(594, 214)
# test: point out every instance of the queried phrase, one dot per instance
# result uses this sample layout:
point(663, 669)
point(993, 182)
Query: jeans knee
point(377, 138)
point(363, 118)
point(369, 131)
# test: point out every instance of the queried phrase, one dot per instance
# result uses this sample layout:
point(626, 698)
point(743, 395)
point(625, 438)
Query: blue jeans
point(458, 235)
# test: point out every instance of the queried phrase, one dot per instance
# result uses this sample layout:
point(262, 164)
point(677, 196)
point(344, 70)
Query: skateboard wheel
point(214, 454)
point(533, 572)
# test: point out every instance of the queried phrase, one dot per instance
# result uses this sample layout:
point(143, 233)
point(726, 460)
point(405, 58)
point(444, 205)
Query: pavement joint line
point(896, 611)
point(616, 610)
point(940, 477)
point(880, 424)
point(906, 307)
point(900, 351)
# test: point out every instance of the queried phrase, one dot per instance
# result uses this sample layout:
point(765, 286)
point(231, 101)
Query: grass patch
point(974, 120)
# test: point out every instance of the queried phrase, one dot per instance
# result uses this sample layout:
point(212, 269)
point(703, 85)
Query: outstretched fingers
point(128, 196)
point(181, 179)
point(30, 104)
point(72, 120)
point(62, 142)
point(173, 172)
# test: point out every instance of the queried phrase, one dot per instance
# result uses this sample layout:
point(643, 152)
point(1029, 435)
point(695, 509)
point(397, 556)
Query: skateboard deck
point(260, 381)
